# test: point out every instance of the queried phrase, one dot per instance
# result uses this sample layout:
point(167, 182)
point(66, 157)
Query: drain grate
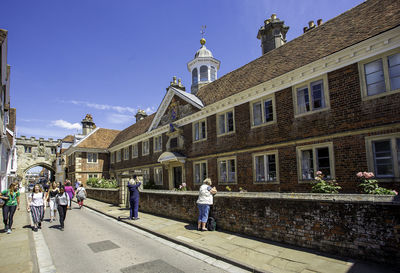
point(156, 266)
point(102, 246)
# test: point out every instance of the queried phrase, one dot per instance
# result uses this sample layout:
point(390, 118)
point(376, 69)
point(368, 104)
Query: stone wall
point(360, 226)
point(110, 196)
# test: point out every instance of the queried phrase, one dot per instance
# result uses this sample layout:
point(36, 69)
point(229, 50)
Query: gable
point(176, 105)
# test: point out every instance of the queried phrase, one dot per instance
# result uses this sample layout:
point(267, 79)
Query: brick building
point(88, 157)
point(327, 100)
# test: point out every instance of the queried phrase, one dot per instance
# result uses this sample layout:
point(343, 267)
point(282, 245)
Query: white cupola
point(203, 67)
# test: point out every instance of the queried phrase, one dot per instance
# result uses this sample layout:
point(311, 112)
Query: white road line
point(193, 253)
point(45, 262)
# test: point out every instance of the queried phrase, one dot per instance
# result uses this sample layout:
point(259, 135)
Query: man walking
point(133, 187)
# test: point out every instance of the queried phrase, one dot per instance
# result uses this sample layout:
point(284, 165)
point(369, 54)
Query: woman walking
point(203, 203)
point(71, 193)
point(37, 206)
point(80, 195)
point(11, 198)
point(51, 197)
point(62, 201)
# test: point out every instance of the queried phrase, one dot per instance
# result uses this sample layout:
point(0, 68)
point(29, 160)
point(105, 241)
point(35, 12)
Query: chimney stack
point(272, 34)
point(177, 85)
point(88, 125)
point(319, 22)
point(141, 114)
point(311, 25)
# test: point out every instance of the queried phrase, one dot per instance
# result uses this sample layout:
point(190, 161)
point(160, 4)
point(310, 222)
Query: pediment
point(176, 104)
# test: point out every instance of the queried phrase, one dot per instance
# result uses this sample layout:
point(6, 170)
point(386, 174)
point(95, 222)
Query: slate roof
point(134, 130)
point(355, 25)
point(99, 139)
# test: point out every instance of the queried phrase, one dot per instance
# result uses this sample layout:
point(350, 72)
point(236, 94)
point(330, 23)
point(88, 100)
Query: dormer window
point(203, 73)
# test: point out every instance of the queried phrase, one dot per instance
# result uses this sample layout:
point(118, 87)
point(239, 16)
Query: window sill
point(311, 112)
point(200, 140)
point(266, 182)
point(227, 183)
point(263, 124)
point(226, 134)
point(365, 97)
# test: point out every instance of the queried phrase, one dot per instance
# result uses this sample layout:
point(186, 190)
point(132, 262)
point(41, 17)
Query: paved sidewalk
point(249, 253)
point(17, 249)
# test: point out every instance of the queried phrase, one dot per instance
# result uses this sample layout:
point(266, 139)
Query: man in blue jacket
point(134, 197)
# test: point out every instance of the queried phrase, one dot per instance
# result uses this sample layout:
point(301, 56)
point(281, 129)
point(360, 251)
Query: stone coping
point(102, 189)
point(340, 198)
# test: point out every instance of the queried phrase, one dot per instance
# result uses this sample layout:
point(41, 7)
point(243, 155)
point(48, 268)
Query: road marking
point(45, 262)
point(197, 255)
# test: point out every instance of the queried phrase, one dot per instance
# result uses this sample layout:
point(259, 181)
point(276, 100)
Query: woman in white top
point(203, 203)
point(62, 201)
point(37, 206)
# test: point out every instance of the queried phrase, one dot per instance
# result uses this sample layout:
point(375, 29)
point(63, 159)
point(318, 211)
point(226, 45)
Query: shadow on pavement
point(191, 227)
point(27, 226)
point(55, 226)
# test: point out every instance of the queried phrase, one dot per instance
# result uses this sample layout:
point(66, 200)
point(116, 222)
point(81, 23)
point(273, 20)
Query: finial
point(203, 31)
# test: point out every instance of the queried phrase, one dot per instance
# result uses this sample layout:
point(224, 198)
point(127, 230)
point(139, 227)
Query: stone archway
point(32, 152)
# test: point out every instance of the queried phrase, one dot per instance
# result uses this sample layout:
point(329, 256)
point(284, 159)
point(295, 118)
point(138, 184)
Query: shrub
point(102, 183)
point(370, 186)
point(323, 186)
point(151, 186)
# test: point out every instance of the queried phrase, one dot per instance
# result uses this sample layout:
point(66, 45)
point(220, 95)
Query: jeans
point(53, 207)
point(203, 212)
point(62, 212)
point(8, 215)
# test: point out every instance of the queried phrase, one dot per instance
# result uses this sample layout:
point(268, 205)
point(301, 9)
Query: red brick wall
point(348, 112)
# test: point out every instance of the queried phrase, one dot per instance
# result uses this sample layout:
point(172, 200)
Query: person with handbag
point(80, 195)
point(51, 198)
point(71, 193)
point(37, 206)
point(204, 201)
point(10, 199)
point(133, 187)
point(62, 201)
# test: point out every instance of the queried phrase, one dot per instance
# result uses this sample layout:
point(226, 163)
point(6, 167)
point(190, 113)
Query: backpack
point(211, 224)
point(81, 194)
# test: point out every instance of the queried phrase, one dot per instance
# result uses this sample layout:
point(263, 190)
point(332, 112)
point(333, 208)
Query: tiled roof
point(356, 25)
point(134, 130)
point(68, 138)
point(100, 139)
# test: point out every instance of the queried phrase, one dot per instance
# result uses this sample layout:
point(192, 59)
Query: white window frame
point(226, 159)
point(200, 163)
point(155, 141)
point(314, 147)
point(384, 58)
point(148, 147)
point(155, 175)
point(135, 150)
point(118, 155)
point(112, 157)
point(307, 84)
point(262, 101)
point(225, 114)
point(266, 154)
point(146, 176)
point(199, 122)
point(395, 156)
point(93, 175)
point(126, 153)
point(92, 157)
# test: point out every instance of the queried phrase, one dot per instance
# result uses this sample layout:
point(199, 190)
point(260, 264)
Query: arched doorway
point(38, 173)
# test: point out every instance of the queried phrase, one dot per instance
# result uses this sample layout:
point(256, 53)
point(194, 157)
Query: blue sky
point(110, 58)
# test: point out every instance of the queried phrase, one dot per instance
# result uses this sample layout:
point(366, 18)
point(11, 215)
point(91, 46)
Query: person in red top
point(70, 191)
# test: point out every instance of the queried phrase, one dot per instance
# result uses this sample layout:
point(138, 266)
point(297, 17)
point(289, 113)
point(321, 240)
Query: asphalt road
point(94, 243)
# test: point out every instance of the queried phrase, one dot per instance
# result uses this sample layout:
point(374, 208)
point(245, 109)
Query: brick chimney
point(88, 125)
point(272, 34)
point(177, 85)
point(141, 114)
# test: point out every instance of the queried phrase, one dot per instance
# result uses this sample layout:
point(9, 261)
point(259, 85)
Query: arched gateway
point(32, 152)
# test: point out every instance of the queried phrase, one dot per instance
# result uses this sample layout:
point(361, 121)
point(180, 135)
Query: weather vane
point(203, 31)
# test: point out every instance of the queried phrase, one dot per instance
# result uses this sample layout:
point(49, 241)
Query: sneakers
point(9, 231)
point(62, 228)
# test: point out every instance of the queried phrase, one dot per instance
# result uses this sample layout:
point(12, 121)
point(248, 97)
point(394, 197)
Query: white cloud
point(119, 109)
point(41, 132)
point(120, 119)
point(65, 124)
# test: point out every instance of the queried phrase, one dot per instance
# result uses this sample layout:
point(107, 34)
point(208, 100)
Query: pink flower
point(318, 173)
point(183, 184)
point(359, 174)
point(180, 186)
point(371, 174)
point(395, 192)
